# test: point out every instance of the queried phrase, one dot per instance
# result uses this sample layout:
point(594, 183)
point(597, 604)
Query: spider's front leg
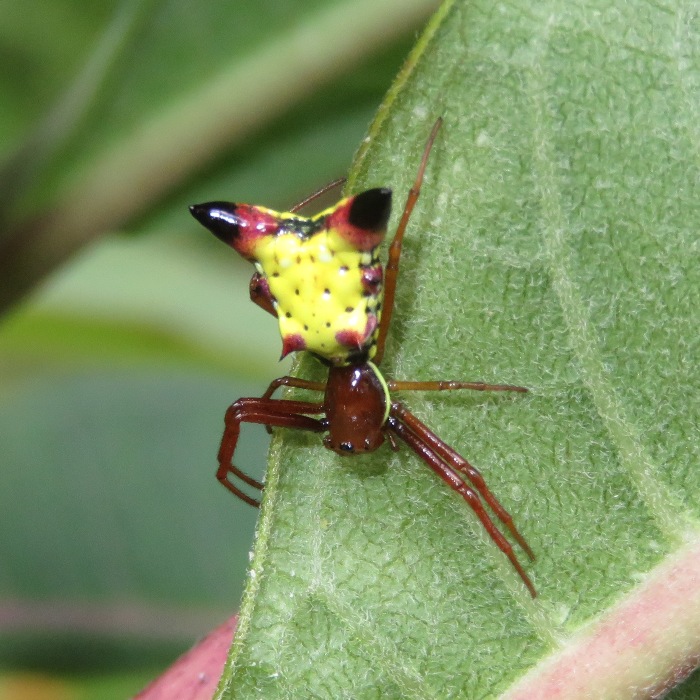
point(458, 463)
point(264, 411)
point(295, 382)
point(449, 466)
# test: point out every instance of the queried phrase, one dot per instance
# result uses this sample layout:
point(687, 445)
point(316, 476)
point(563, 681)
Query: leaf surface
point(554, 246)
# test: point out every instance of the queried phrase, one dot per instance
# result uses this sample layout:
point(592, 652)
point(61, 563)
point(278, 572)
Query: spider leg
point(295, 382)
point(392, 267)
point(326, 188)
point(422, 441)
point(260, 294)
point(268, 412)
point(458, 463)
point(451, 386)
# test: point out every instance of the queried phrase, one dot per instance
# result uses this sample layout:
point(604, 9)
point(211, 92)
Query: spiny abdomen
point(326, 293)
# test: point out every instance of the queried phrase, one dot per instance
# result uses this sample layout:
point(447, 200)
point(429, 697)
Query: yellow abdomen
point(326, 293)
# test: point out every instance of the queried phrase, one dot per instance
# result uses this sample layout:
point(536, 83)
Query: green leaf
point(119, 547)
point(555, 246)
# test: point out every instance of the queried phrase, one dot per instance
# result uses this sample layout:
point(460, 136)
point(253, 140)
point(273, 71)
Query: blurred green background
point(126, 328)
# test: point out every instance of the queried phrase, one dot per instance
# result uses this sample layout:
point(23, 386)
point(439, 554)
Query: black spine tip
point(370, 210)
point(219, 217)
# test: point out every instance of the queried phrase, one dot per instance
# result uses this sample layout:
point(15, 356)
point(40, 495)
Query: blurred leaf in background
point(127, 331)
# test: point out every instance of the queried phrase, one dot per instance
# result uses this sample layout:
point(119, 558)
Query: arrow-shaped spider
point(321, 278)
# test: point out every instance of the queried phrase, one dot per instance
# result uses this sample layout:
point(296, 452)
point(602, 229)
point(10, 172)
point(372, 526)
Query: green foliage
point(119, 548)
point(555, 246)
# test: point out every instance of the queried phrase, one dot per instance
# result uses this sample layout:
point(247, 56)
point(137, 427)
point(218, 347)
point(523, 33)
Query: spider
point(322, 279)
